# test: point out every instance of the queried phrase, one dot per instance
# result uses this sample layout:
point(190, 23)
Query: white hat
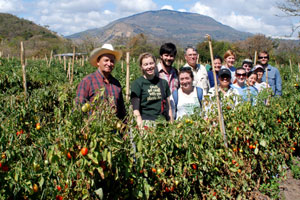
point(105, 49)
point(258, 67)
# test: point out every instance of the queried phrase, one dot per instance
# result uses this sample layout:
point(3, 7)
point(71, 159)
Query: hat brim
point(100, 51)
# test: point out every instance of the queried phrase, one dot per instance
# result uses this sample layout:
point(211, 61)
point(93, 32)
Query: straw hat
point(105, 49)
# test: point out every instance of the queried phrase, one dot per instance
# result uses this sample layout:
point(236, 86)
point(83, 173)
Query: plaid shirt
point(171, 78)
point(90, 86)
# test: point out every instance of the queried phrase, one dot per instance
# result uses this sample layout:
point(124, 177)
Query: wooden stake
point(65, 63)
point(23, 69)
point(255, 58)
point(72, 72)
point(299, 67)
point(69, 69)
point(221, 120)
point(50, 58)
point(127, 76)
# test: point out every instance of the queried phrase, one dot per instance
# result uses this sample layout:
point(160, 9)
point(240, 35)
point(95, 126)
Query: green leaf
point(94, 159)
point(139, 145)
point(263, 143)
point(99, 193)
point(256, 151)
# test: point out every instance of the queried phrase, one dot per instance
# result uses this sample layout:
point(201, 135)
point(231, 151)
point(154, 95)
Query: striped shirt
point(90, 86)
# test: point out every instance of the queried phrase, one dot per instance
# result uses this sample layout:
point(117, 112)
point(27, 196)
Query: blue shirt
point(210, 75)
point(274, 79)
point(247, 93)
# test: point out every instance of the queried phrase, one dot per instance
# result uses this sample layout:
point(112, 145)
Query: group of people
point(162, 90)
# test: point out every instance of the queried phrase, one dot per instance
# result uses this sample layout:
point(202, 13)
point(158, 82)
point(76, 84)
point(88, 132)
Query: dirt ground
point(290, 188)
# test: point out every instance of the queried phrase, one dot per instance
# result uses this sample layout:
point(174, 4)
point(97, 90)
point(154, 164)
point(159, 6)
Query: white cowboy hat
point(105, 49)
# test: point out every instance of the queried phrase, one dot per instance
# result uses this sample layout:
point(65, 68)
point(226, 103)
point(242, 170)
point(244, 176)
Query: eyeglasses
point(237, 74)
point(263, 57)
point(224, 77)
point(181, 69)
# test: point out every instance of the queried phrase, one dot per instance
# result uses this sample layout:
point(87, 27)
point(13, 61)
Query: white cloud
point(10, 6)
point(202, 9)
point(167, 7)
point(136, 5)
point(182, 10)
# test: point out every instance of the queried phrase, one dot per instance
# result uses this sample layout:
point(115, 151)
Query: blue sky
point(71, 16)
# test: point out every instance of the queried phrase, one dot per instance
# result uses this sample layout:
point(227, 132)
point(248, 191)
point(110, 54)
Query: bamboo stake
point(299, 67)
point(127, 76)
point(65, 63)
point(255, 58)
point(221, 120)
point(73, 59)
point(50, 60)
point(291, 65)
point(68, 72)
point(23, 68)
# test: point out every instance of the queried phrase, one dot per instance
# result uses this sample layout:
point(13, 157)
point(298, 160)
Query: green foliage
point(186, 159)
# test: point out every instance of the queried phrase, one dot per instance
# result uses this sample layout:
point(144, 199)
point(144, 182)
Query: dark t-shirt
point(148, 91)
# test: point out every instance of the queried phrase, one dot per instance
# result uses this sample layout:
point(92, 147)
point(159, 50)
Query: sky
point(67, 17)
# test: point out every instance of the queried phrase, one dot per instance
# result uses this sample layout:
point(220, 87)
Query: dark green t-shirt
point(148, 91)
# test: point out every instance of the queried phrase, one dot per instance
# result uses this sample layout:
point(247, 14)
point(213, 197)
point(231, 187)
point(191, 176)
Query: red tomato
point(69, 155)
point(58, 188)
point(194, 166)
point(5, 168)
point(58, 197)
point(84, 151)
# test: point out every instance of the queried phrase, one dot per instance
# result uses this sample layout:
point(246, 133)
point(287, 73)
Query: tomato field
point(51, 149)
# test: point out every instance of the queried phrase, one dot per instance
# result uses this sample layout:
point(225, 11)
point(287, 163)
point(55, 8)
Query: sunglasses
point(263, 57)
point(238, 74)
point(184, 69)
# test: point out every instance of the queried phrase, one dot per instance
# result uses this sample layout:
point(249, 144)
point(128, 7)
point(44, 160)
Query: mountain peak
point(165, 25)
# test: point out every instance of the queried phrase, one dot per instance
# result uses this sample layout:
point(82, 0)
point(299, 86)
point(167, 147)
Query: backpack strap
point(175, 97)
point(199, 95)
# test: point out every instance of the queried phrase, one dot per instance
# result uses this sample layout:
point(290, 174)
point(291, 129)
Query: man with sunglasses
point(274, 79)
point(247, 93)
point(199, 71)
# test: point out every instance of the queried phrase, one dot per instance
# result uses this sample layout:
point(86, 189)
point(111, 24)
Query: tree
point(291, 8)
point(257, 43)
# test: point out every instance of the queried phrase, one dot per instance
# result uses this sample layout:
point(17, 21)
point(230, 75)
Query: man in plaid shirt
point(165, 69)
point(104, 59)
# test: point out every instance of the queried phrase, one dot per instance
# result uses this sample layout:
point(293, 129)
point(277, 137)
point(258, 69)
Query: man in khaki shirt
point(199, 71)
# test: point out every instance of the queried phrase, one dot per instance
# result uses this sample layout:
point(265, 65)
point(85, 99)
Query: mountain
point(164, 25)
point(38, 40)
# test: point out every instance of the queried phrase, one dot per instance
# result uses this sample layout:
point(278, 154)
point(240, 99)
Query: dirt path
point(290, 188)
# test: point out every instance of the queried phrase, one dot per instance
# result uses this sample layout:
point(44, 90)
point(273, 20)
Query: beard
point(165, 64)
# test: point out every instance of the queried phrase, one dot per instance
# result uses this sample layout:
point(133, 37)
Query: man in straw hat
point(104, 59)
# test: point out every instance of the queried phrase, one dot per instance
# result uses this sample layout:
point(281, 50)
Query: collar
point(103, 77)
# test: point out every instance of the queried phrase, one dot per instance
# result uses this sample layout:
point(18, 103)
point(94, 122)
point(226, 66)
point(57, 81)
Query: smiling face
point(106, 63)
point(224, 81)
point(247, 67)
point(217, 64)
point(229, 61)
point(240, 76)
point(260, 73)
point(186, 81)
point(263, 58)
point(252, 79)
point(191, 57)
point(167, 59)
point(148, 66)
